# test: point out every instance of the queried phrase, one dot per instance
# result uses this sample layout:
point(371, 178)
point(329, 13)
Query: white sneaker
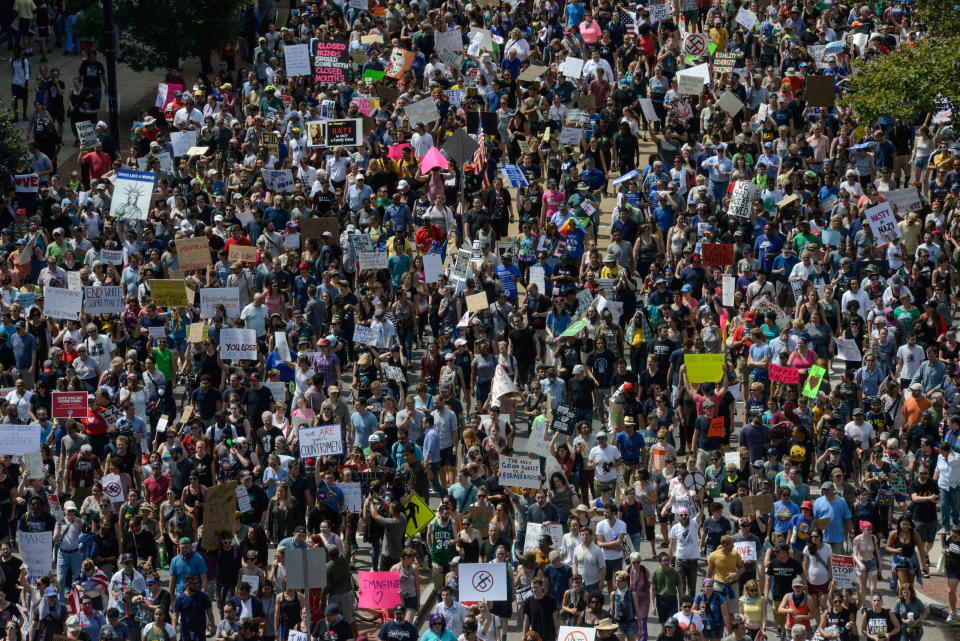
point(953, 618)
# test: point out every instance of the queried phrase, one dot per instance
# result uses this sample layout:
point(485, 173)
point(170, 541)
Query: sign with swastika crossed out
point(483, 581)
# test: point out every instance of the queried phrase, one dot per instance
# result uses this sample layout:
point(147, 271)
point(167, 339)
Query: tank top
point(623, 611)
point(798, 608)
point(909, 549)
point(440, 552)
point(839, 619)
point(469, 551)
point(289, 612)
point(752, 609)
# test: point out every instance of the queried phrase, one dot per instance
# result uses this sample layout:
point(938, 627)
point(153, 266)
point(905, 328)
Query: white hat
point(360, 176)
point(69, 505)
point(402, 184)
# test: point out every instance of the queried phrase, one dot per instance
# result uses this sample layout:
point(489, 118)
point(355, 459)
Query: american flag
point(628, 18)
point(479, 164)
point(86, 583)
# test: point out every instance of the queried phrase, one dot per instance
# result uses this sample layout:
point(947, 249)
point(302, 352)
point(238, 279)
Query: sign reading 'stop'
point(330, 60)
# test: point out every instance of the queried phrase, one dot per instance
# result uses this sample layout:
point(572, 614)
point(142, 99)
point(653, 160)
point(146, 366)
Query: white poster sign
point(535, 530)
point(278, 180)
point(729, 290)
point(572, 67)
point(741, 201)
point(424, 111)
point(574, 633)
point(113, 488)
point(132, 192)
point(183, 141)
point(352, 495)
point(236, 344)
point(297, 59)
point(243, 498)
point(432, 267)
point(323, 440)
point(59, 302)
point(847, 350)
point(746, 18)
point(36, 550)
point(689, 85)
point(747, 550)
point(103, 300)
point(883, 223)
point(539, 440)
point(229, 297)
point(483, 581)
point(516, 471)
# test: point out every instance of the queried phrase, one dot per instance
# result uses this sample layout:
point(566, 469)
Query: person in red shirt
point(83, 468)
point(96, 163)
point(427, 235)
point(156, 485)
point(236, 238)
point(95, 427)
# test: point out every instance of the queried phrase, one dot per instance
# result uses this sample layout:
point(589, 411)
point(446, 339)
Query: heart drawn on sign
point(813, 382)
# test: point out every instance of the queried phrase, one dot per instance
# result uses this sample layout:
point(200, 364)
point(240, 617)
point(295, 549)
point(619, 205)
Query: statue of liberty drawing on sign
point(131, 208)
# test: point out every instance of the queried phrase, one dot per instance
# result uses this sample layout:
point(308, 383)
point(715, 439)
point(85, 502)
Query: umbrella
point(433, 158)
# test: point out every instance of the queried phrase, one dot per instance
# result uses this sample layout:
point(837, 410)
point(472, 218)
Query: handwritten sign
point(194, 253)
point(237, 344)
point(716, 254)
point(242, 253)
point(36, 550)
point(103, 299)
point(323, 440)
point(780, 374)
point(229, 297)
point(297, 59)
point(63, 303)
point(168, 293)
point(379, 590)
point(883, 223)
point(747, 550)
point(219, 513)
point(517, 471)
point(703, 368)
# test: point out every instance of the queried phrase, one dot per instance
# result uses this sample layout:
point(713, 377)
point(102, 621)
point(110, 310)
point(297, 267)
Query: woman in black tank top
point(907, 547)
point(837, 615)
point(290, 606)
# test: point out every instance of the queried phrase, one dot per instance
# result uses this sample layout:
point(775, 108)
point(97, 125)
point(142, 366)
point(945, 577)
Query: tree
point(913, 81)
point(156, 34)
point(13, 148)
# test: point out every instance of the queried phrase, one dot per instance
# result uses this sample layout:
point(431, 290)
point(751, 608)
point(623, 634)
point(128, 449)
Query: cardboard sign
point(352, 496)
point(516, 471)
point(237, 344)
point(716, 254)
point(907, 199)
point(168, 293)
point(483, 581)
point(821, 91)
point(564, 419)
point(103, 299)
point(69, 405)
point(730, 103)
point(762, 503)
point(814, 380)
point(330, 60)
point(194, 253)
point(379, 590)
point(842, 569)
point(704, 368)
point(323, 440)
point(197, 332)
point(219, 513)
point(780, 374)
point(476, 303)
point(242, 253)
point(689, 85)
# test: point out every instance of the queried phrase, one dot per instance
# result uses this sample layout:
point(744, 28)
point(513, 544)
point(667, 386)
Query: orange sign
point(716, 254)
point(716, 428)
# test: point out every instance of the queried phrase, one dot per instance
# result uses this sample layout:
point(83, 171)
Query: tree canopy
point(913, 81)
point(13, 148)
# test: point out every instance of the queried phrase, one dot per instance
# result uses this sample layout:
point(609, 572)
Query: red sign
point(70, 405)
point(716, 254)
point(781, 374)
point(716, 428)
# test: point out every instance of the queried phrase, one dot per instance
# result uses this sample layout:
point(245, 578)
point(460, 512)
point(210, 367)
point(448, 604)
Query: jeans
point(406, 343)
point(68, 566)
point(719, 190)
point(223, 594)
point(636, 539)
point(950, 507)
point(585, 415)
point(688, 575)
point(435, 481)
point(667, 606)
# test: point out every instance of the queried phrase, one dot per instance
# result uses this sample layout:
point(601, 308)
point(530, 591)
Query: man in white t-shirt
point(909, 359)
point(859, 430)
point(603, 460)
point(686, 618)
point(611, 532)
point(685, 548)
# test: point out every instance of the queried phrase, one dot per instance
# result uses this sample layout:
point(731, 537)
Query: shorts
point(920, 162)
point(613, 566)
point(818, 589)
point(628, 629)
point(411, 603)
point(447, 457)
point(953, 575)
point(927, 530)
point(600, 486)
point(19, 91)
point(871, 567)
point(670, 516)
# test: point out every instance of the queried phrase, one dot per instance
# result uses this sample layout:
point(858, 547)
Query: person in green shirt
point(804, 238)
point(59, 246)
point(165, 358)
point(666, 585)
point(398, 264)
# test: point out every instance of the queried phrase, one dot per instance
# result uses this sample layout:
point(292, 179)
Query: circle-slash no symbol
point(576, 635)
point(695, 44)
point(482, 581)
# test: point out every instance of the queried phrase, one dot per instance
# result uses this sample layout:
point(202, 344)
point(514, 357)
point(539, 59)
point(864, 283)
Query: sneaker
point(951, 618)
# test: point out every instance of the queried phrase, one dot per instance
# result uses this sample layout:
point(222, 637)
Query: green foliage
point(154, 34)
point(909, 83)
point(13, 147)
point(89, 26)
point(914, 81)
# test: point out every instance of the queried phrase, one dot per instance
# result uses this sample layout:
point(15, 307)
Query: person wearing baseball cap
point(398, 627)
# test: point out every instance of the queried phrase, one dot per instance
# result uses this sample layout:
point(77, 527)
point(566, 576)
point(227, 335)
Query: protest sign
point(183, 142)
point(535, 530)
point(424, 111)
point(732, 458)
point(111, 256)
point(352, 496)
point(278, 390)
point(69, 405)
point(716, 254)
point(703, 368)
point(31, 464)
point(242, 253)
point(741, 201)
point(483, 581)
point(729, 285)
point(432, 267)
point(572, 67)
point(297, 59)
point(574, 633)
point(378, 590)
point(418, 514)
point(660, 12)
point(26, 183)
point(330, 60)
point(649, 111)
point(842, 569)
point(197, 332)
point(323, 440)
point(730, 103)
point(780, 374)
point(689, 85)
point(63, 303)
point(503, 384)
point(821, 90)
point(539, 441)
point(237, 344)
point(762, 306)
point(366, 336)
point(345, 133)
point(476, 303)
point(278, 180)
point(103, 299)
point(449, 40)
point(514, 176)
point(193, 253)
point(243, 499)
point(400, 60)
point(229, 297)
point(883, 223)
point(814, 379)
point(168, 293)
point(280, 344)
point(847, 350)
point(516, 471)
point(570, 135)
point(752, 504)
point(747, 550)
point(88, 135)
point(55, 508)
point(564, 419)
point(907, 199)
point(531, 73)
point(219, 513)
point(36, 550)
point(113, 488)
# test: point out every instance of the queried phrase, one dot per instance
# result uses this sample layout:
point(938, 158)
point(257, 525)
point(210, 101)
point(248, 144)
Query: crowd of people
point(753, 384)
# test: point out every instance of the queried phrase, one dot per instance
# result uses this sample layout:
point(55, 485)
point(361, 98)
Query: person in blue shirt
point(574, 13)
point(783, 511)
point(720, 167)
point(193, 610)
point(783, 264)
point(299, 538)
point(399, 214)
point(833, 507)
point(398, 629)
point(631, 444)
point(768, 246)
point(186, 563)
point(301, 285)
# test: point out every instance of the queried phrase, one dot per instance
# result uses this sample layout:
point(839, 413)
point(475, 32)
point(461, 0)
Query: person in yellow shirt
point(725, 567)
point(719, 35)
point(24, 10)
